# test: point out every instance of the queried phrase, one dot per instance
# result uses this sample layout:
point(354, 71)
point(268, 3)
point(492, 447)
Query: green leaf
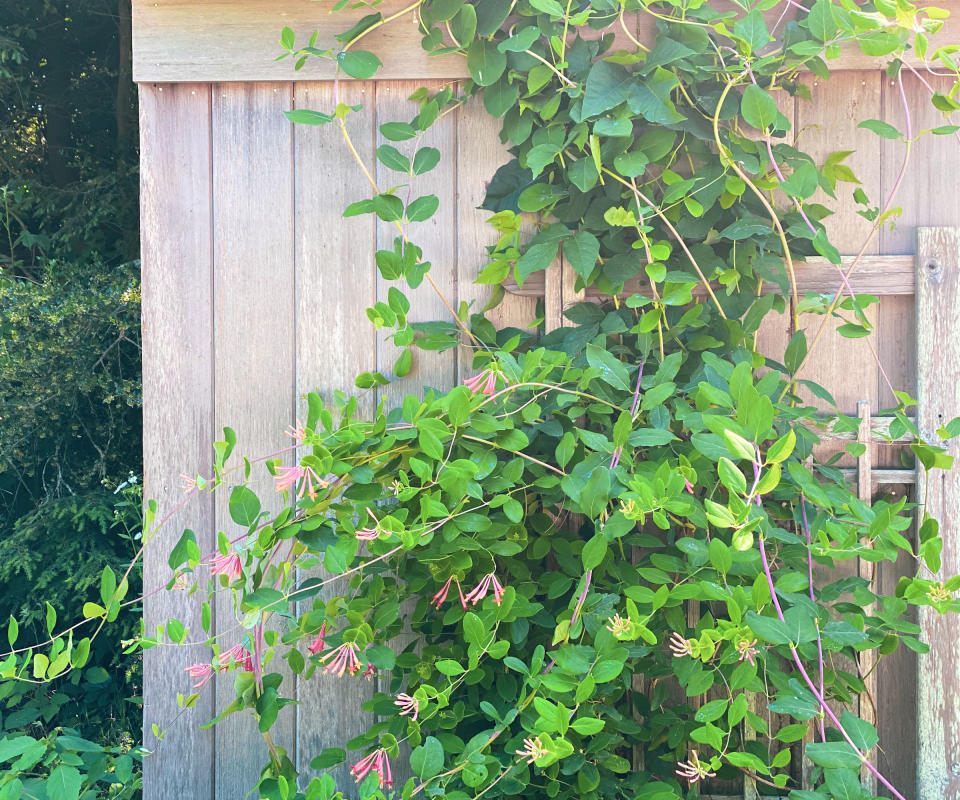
point(753, 30)
point(425, 160)
point(587, 726)
point(712, 710)
point(64, 783)
point(883, 129)
point(303, 116)
point(423, 208)
point(844, 784)
point(186, 549)
point(820, 20)
point(796, 351)
point(329, 757)
point(613, 371)
point(359, 64)
point(397, 131)
point(427, 760)
point(833, 754)
point(551, 7)
point(594, 551)
point(863, 734)
point(608, 85)
point(581, 251)
point(244, 506)
point(474, 631)
point(520, 41)
point(449, 667)
point(759, 109)
point(485, 62)
point(390, 157)
point(583, 174)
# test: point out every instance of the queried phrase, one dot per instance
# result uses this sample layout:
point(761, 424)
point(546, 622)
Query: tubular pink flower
point(484, 382)
point(694, 769)
point(481, 589)
point(202, 671)
point(532, 749)
point(377, 762)
point(439, 598)
point(463, 600)
point(288, 476)
point(370, 671)
point(681, 647)
point(367, 534)
point(342, 659)
point(409, 706)
point(297, 433)
point(239, 655)
point(228, 565)
point(318, 643)
point(187, 483)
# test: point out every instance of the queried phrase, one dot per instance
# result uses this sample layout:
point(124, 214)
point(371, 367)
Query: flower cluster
point(236, 656)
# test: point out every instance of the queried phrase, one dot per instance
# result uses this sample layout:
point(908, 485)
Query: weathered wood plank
point(938, 393)
point(335, 283)
point(479, 153)
point(879, 275)
point(254, 334)
point(238, 40)
point(175, 195)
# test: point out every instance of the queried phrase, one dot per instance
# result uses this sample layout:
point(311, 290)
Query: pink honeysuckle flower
point(342, 659)
point(367, 534)
point(484, 382)
point(440, 597)
point(228, 565)
point(681, 647)
point(480, 591)
point(747, 650)
point(202, 671)
point(239, 655)
point(377, 762)
point(318, 643)
point(688, 486)
point(409, 706)
point(297, 433)
point(370, 671)
point(694, 769)
point(532, 749)
point(288, 476)
point(188, 483)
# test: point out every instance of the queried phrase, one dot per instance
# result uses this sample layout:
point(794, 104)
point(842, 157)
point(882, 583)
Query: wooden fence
point(254, 290)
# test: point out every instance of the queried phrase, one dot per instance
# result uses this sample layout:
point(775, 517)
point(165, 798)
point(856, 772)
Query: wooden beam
point(938, 395)
point(879, 275)
point(238, 40)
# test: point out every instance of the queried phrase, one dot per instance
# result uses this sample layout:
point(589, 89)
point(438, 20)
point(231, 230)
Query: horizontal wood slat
point(238, 40)
point(879, 275)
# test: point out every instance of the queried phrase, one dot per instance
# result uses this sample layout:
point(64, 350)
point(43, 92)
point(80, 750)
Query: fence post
point(938, 393)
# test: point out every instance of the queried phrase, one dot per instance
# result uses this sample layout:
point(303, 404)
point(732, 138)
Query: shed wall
point(255, 290)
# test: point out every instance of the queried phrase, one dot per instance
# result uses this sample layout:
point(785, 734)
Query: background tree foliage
point(70, 394)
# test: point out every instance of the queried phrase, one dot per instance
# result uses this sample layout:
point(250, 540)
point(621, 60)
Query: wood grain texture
point(177, 413)
point(238, 40)
point(335, 283)
point(938, 394)
point(254, 334)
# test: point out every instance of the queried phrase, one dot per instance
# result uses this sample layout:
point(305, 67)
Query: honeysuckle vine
point(608, 550)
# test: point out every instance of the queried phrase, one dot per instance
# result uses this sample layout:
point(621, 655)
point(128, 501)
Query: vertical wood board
point(177, 329)
point(254, 313)
point(938, 393)
point(335, 283)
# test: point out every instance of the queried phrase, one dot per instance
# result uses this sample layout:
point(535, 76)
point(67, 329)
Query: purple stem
point(615, 459)
point(582, 597)
point(813, 689)
point(806, 531)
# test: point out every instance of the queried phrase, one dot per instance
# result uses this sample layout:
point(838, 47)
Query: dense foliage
point(69, 384)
